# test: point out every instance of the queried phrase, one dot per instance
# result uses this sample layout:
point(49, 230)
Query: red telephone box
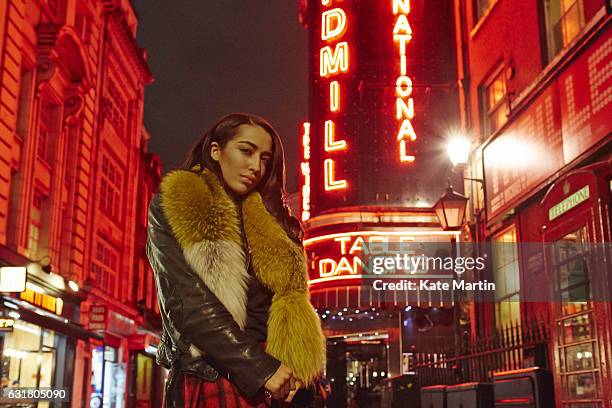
point(576, 236)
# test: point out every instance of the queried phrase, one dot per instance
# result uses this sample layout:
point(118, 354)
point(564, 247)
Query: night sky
point(213, 57)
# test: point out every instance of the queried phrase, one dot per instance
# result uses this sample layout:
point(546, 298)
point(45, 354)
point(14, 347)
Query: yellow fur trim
point(294, 335)
point(276, 254)
point(198, 210)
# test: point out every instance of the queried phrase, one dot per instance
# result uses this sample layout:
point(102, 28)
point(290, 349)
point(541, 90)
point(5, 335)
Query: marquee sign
point(348, 255)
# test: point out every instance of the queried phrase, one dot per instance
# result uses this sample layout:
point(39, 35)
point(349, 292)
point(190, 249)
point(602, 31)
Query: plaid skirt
point(199, 393)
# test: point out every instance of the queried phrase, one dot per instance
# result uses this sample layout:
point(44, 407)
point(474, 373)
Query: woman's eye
point(245, 151)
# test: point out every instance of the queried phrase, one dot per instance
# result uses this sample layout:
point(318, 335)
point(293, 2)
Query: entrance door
point(356, 372)
point(576, 332)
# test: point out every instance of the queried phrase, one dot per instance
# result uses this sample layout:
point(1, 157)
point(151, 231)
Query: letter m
point(330, 63)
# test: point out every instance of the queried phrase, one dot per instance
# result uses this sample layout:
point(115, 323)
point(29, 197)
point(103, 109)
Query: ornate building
point(75, 178)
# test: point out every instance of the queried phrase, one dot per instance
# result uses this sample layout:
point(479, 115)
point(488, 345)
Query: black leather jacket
point(193, 315)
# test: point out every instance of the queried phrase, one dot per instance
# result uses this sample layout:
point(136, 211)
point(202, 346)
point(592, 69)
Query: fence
point(513, 347)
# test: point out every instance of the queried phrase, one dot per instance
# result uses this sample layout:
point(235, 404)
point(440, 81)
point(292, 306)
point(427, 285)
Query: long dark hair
point(272, 185)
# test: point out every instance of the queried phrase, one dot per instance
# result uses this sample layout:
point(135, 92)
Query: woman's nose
point(255, 165)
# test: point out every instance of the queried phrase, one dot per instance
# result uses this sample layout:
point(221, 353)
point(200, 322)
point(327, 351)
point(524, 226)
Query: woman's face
point(245, 158)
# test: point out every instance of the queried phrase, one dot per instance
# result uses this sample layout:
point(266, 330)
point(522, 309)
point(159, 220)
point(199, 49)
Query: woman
point(231, 274)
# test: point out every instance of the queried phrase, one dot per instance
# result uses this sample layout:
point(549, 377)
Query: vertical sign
point(404, 104)
point(305, 168)
point(333, 62)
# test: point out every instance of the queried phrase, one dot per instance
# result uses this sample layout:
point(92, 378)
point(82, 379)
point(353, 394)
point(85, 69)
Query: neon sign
point(305, 167)
point(348, 255)
point(404, 103)
point(333, 61)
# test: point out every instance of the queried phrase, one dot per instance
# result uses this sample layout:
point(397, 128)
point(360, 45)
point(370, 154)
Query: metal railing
point(476, 360)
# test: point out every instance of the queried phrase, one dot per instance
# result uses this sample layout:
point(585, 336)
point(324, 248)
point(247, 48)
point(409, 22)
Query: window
point(104, 267)
point(110, 189)
point(25, 102)
point(116, 107)
point(28, 357)
point(565, 21)
point(506, 277)
point(494, 101)
point(576, 328)
point(45, 127)
point(35, 223)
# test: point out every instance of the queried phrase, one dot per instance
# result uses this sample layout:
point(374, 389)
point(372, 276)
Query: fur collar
point(206, 223)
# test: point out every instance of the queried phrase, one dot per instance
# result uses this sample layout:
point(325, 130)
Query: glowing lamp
point(459, 150)
point(73, 285)
point(450, 209)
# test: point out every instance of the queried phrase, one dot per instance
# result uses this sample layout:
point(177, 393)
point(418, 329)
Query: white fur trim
point(222, 267)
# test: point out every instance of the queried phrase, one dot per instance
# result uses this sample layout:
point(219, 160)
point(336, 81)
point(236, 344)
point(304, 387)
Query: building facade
point(75, 179)
point(535, 83)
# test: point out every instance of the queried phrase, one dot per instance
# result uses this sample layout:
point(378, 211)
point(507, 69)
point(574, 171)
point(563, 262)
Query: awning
point(37, 316)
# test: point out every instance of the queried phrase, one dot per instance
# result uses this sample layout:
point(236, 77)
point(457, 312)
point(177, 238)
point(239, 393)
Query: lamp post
point(450, 209)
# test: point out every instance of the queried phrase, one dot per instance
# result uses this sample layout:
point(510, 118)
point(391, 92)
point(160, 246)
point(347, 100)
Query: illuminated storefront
point(40, 333)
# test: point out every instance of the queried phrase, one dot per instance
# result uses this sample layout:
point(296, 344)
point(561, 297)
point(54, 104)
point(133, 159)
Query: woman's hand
point(280, 383)
point(295, 387)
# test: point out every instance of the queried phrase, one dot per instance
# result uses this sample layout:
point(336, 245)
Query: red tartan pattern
point(199, 393)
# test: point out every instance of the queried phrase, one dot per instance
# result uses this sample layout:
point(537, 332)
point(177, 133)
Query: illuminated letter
point(403, 5)
point(343, 241)
point(333, 23)
point(330, 62)
point(406, 130)
point(327, 268)
point(305, 168)
point(325, 2)
point(403, 64)
point(402, 26)
point(334, 96)
point(344, 266)
point(306, 140)
point(402, 39)
point(330, 143)
point(403, 155)
point(403, 110)
point(403, 86)
point(358, 245)
point(330, 183)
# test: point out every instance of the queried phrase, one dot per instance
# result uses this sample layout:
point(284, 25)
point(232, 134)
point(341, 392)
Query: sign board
point(13, 279)
point(97, 318)
point(569, 116)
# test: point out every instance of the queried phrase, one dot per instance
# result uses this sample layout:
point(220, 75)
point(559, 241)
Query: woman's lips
point(247, 180)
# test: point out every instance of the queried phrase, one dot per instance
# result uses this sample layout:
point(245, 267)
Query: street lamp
point(450, 209)
point(458, 149)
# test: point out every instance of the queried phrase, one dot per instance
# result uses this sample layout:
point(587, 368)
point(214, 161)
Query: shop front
point(146, 378)
point(39, 335)
point(110, 357)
